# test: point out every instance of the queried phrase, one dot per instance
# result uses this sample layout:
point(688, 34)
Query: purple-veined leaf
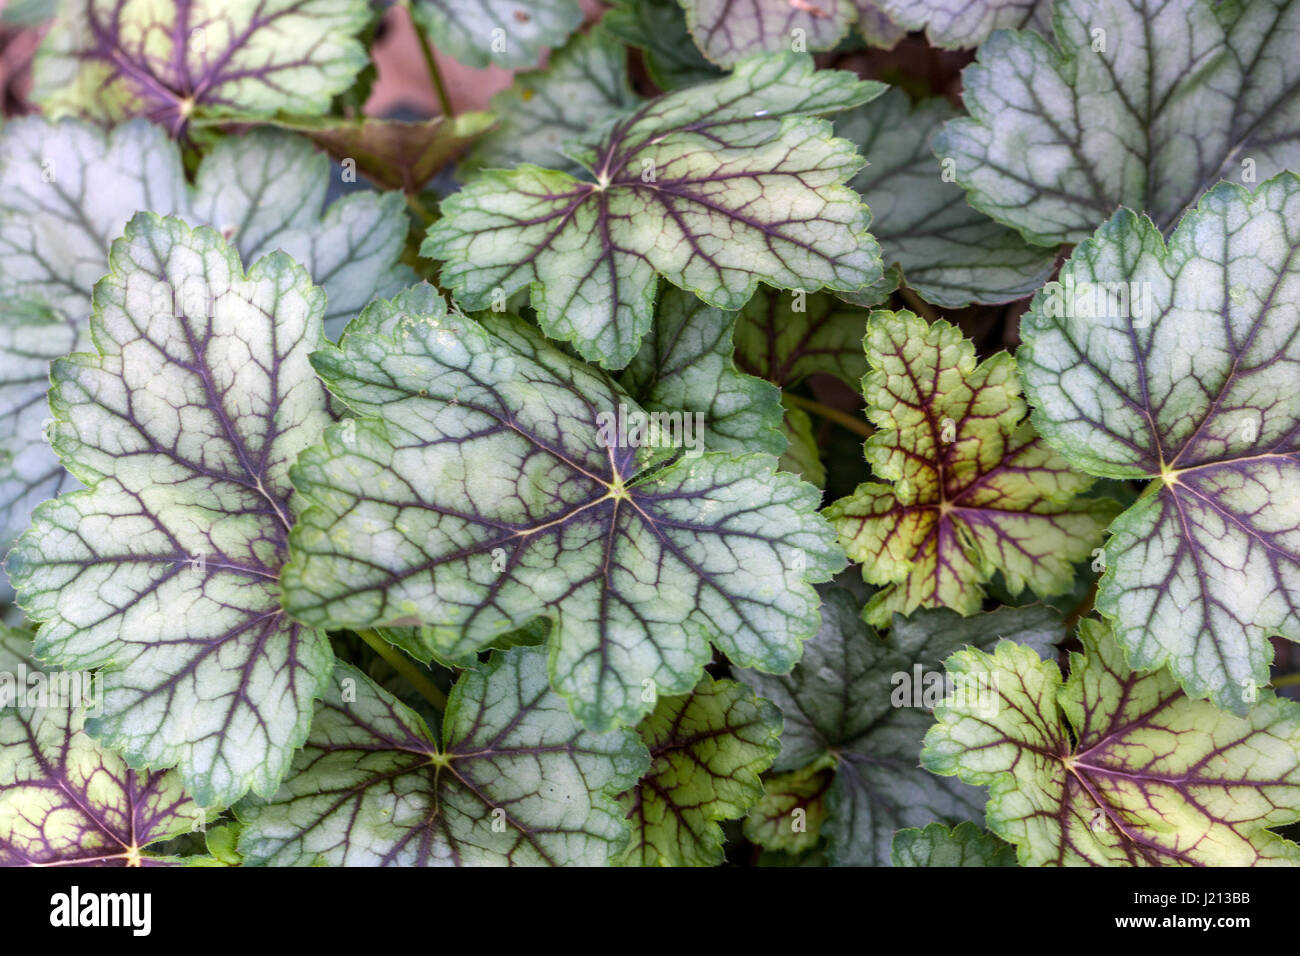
point(858, 705)
point(785, 337)
point(515, 779)
point(509, 33)
point(582, 86)
point(491, 479)
point(686, 364)
point(1181, 363)
point(963, 845)
point(790, 816)
point(715, 188)
point(1137, 103)
point(164, 570)
point(973, 489)
point(170, 62)
point(1114, 767)
point(65, 800)
point(949, 252)
point(727, 31)
point(707, 749)
point(68, 189)
point(967, 23)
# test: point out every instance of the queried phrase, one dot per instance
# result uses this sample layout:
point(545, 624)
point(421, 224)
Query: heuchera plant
point(707, 453)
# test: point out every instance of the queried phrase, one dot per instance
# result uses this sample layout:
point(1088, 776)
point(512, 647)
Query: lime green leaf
point(1116, 767)
point(947, 251)
point(686, 365)
point(1179, 363)
point(164, 572)
point(492, 479)
point(68, 189)
point(792, 812)
point(515, 781)
point(509, 33)
point(64, 800)
point(583, 85)
point(706, 752)
point(802, 457)
point(785, 337)
point(963, 845)
point(1144, 105)
point(716, 188)
point(860, 705)
point(974, 489)
point(172, 62)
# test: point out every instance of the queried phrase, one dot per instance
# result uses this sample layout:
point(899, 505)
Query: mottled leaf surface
point(845, 706)
point(790, 816)
point(509, 33)
point(784, 337)
point(686, 364)
point(715, 188)
point(727, 31)
point(582, 85)
point(514, 780)
point(707, 749)
point(1117, 768)
point(168, 62)
point(967, 23)
point(973, 488)
point(64, 800)
point(478, 490)
point(1189, 379)
point(1167, 100)
point(164, 572)
point(66, 192)
point(949, 252)
point(963, 845)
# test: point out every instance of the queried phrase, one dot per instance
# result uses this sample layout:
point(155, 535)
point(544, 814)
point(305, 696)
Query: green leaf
point(947, 251)
point(716, 188)
point(509, 33)
point(802, 457)
point(973, 489)
point(1179, 363)
point(164, 572)
point(792, 812)
point(64, 800)
point(1116, 767)
point(1136, 104)
point(487, 483)
point(860, 704)
point(686, 365)
point(172, 62)
point(706, 752)
point(727, 31)
point(963, 845)
point(515, 781)
point(658, 28)
point(787, 337)
point(583, 85)
point(967, 23)
point(68, 189)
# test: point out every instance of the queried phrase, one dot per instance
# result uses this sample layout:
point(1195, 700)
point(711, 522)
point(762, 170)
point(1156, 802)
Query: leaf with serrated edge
point(1060, 135)
point(785, 337)
point(715, 188)
point(707, 749)
point(164, 572)
point(727, 31)
point(1115, 767)
point(1190, 378)
point(487, 483)
point(515, 780)
point(973, 488)
point(949, 252)
point(967, 23)
point(64, 800)
point(169, 62)
point(68, 189)
point(790, 816)
point(686, 365)
point(583, 85)
point(509, 33)
point(963, 845)
point(846, 705)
